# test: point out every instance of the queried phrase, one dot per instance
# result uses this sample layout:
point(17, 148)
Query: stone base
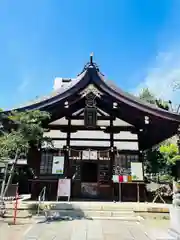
point(175, 219)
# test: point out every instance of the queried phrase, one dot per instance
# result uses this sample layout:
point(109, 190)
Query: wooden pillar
point(140, 152)
point(141, 190)
point(111, 158)
point(111, 149)
point(34, 159)
point(66, 152)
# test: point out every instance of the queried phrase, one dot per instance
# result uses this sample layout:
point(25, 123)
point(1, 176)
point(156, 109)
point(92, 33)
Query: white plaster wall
point(126, 145)
point(55, 134)
point(90, 143)
point(94, 134)
point(119, 122)
point(64, 121)
point(57, 144)
point(125, 135)
point(90, 134)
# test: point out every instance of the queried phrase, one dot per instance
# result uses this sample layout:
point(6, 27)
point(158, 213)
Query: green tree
point(170, 153)
point(19, 130)
point(162, 159)
point(154, 161)
point(149, 97)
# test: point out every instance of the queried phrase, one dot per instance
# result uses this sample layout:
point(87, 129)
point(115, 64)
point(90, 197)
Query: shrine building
point(98, 132)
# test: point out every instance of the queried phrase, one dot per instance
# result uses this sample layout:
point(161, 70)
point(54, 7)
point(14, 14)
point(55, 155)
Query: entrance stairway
point(95, 210)
point(87, 210)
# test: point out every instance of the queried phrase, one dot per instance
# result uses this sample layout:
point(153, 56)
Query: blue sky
point(136, 43)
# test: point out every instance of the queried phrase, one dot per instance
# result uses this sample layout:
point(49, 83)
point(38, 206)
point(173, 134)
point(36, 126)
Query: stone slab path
point(87, 230)
point(12, 232)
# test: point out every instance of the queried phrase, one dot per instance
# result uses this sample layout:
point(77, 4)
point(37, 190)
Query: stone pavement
point(16, 232)
point(87, 230)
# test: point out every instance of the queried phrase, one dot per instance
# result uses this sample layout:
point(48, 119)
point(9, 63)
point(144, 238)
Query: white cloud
point(161, 78)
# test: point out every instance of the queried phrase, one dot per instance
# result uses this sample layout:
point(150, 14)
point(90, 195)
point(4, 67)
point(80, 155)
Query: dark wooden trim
point(96, 139)
point(98, 148)
point(98, 117)
point(82, 112)
point(130, 152)
point(80, 127)
point(67, 164)
point(112, 155)
point(102, 114)
point(78, 114)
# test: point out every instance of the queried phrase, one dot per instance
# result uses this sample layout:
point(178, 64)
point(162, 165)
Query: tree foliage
point(26, 128)
point(163, 158)
point(149, 97)
point(19, 130)
point(170, 153)
point(155, 162)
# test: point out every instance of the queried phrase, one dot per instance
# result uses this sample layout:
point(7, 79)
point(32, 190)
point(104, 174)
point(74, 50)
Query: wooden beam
point(94, 139)
point(80, 112)
point(75, 128)
point(104, 118)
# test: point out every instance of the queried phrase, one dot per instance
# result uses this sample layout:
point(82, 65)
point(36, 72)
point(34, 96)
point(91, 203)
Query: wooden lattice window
point(122, 164)
point(47, 160)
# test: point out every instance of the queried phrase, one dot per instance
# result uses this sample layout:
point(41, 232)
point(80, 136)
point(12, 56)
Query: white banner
point(64, 188)
point(137, 171)
point(86, 155)
point(58, 165)
point(93, 155)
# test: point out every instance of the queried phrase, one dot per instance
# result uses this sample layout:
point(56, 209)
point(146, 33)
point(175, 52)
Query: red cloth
point(120, 178)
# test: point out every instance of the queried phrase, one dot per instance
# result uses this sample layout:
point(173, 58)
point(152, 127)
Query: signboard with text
point(58, 165)
point(137, 171)
point(64, 188)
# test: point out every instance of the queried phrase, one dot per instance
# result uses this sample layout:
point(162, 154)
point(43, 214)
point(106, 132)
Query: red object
point(120, 179)
point(16, 205)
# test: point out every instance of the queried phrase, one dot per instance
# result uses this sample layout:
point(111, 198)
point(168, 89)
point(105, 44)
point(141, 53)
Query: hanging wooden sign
point(90, 117)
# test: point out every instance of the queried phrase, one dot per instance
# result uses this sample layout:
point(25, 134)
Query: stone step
point(24, 213)
point(75, 213)
point(110, 206)
point(68, 206)
point(41, 218)
point(93, 213)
